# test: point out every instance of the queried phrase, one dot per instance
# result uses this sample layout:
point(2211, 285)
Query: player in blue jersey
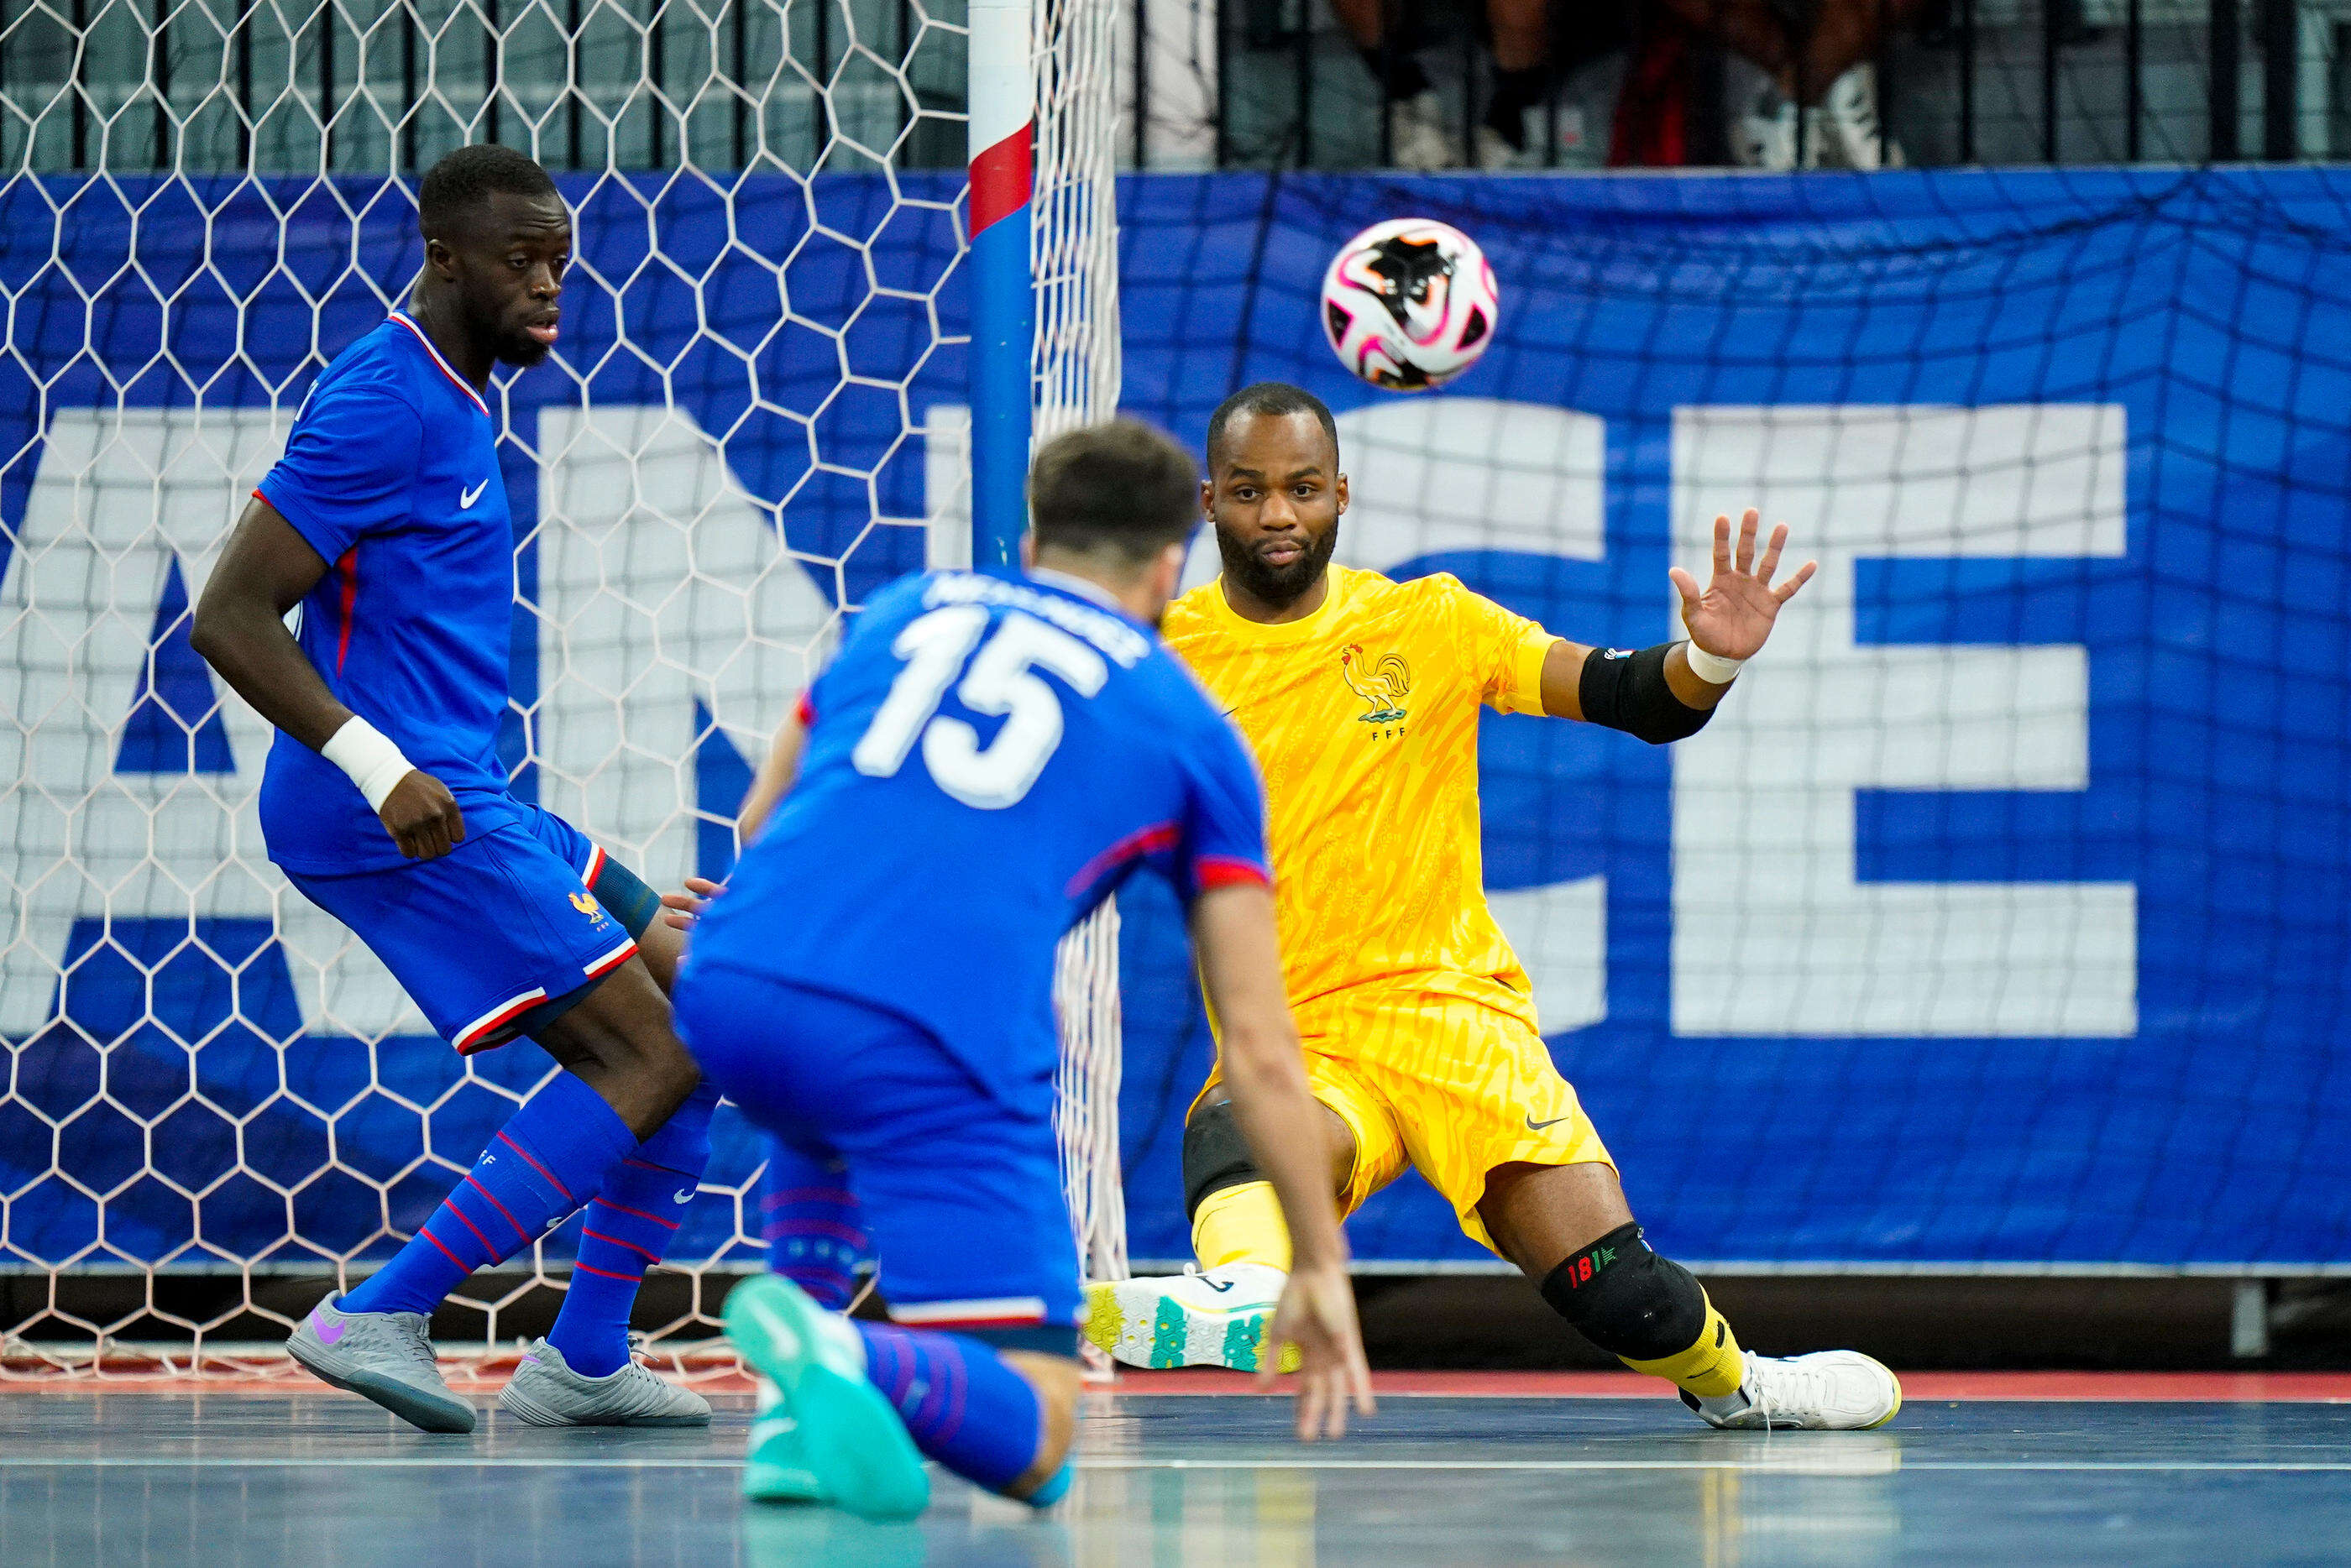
point(384, 801)
point(990, 756)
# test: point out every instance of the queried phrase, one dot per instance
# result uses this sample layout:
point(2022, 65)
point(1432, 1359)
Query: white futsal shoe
point(1844, 131)
point(546, 1392)
point(386, 1357)
point(1216, 1319)
point(1827, 1391)
point(1417, 139)
point(1761, 119)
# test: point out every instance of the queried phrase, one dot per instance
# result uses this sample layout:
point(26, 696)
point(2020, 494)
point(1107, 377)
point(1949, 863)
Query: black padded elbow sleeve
point(1626, 691)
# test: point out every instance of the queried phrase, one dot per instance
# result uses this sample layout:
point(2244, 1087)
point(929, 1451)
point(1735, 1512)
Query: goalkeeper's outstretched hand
point(1732, 616)
point(1318, 1315)
point(683, 910)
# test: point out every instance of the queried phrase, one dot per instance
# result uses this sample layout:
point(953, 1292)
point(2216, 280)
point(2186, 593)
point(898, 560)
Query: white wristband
point(1707, 666)
point(367, 755)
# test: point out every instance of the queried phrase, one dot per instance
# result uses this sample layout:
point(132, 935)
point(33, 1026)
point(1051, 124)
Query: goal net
point(1978, 930)
point(217, 1098)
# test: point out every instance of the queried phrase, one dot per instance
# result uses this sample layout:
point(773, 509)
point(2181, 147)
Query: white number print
point(1000, 683)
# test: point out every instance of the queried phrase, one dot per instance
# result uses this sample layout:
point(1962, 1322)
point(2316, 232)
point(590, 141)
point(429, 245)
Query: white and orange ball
point(1409, 303)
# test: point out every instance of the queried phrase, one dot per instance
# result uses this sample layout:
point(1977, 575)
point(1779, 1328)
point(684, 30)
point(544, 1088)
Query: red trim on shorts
point(805, 711)
point(1225, 870)
point(475, 1036)
point(1000, 1311)
point(1027, 1320)
point(611, 960)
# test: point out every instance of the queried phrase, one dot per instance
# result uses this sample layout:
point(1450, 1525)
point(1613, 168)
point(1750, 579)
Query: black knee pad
point(1216, 1155)
point(1627, 1299)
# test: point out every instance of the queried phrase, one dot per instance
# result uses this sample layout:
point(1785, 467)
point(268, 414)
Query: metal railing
point(1960, 82)
point(226, 85)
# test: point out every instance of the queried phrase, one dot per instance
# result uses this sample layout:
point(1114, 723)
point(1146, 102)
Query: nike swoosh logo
point(687, 1196)
point(1219, 1286)
point(328, 1333)
point(1534, 1125)
point(466, 498)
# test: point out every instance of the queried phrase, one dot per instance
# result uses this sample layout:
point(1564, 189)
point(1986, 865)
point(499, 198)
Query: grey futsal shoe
point(546, 1392)
point(386, 1357)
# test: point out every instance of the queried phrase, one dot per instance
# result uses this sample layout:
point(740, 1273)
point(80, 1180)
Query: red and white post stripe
point(1002, 99)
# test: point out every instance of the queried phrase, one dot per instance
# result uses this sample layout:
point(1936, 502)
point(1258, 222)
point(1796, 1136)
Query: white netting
point(217, 1098)
point(1073, 254)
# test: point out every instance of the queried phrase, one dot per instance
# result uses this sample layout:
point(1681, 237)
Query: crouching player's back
point(988, 759)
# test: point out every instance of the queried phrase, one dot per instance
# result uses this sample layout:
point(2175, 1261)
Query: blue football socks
point(810, 1219)
point(540, 1166)
point(626, 1231)
point(962, 1405)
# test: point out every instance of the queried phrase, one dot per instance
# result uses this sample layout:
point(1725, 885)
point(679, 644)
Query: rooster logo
point(586, 904)
point(1383, 685)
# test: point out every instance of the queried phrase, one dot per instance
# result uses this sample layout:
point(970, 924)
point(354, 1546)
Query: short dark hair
point(1277, 398)
point(1121, 488)
point(455, 186)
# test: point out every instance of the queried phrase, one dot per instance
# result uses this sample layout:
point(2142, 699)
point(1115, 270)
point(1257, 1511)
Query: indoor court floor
point(1187, 1469)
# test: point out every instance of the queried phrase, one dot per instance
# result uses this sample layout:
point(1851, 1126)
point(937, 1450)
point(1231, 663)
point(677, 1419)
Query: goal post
point(1003, 290)
point(775, 380)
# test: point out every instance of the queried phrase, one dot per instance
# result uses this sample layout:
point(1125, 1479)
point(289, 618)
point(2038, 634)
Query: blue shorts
point(960, 1192)
point(491, 931)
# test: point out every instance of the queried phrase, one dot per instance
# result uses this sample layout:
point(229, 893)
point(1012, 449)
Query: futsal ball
point(1409, 303)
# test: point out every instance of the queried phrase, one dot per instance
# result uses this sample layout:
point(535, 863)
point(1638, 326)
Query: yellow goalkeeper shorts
point(1444, 1085)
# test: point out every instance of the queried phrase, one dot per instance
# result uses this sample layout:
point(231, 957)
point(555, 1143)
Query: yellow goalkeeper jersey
point(1364, 719)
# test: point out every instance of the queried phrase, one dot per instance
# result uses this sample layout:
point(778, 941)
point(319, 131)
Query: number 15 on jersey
point(999, 681)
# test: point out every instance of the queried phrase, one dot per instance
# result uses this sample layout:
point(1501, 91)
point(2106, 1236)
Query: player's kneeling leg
point(1219, 1317)
point(816, 1240)
point(1651, 1314)
point(997, 1406)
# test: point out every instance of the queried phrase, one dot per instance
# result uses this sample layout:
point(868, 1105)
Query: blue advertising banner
point(2000, 919)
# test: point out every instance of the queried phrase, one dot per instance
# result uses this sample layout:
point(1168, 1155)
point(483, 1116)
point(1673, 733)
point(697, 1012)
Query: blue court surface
point(267, 1478)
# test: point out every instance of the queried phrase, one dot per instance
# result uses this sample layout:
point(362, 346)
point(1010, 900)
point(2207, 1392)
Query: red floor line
point(2194, 1387)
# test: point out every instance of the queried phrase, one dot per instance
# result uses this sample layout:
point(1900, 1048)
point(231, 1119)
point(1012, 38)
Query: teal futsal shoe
point(774, 1466)
point(853, 1444)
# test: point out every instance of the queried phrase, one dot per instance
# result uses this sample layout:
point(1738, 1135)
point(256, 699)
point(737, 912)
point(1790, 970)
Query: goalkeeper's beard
point(1280, 587)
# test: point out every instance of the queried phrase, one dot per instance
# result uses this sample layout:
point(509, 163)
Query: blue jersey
point(391, 474)
point(986, 760)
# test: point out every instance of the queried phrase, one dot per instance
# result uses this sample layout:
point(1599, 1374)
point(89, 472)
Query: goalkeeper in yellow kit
point(1361, 697)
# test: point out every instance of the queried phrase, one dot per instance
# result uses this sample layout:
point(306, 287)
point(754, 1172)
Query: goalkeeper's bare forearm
point(1265, 1072)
